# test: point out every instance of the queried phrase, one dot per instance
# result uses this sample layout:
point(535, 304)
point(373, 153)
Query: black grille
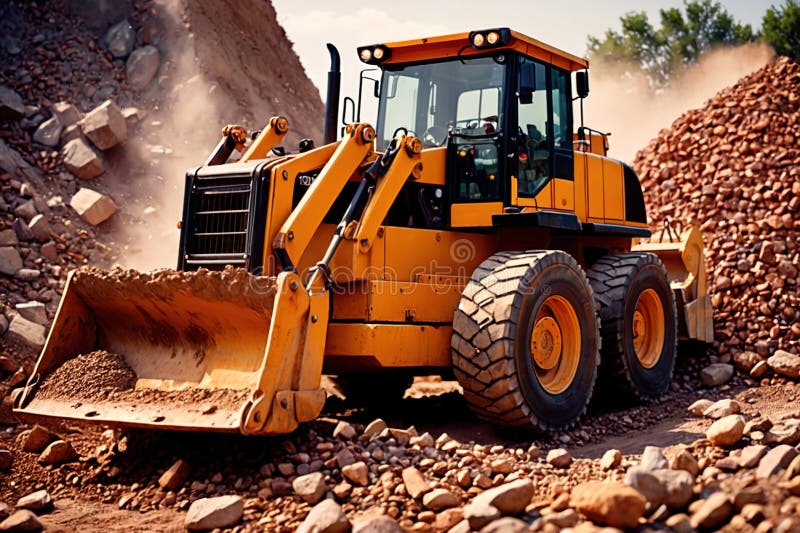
point(219, 225)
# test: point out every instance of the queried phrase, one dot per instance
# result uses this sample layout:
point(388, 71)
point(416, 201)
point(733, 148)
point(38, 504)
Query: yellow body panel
point(594, 184)
point(389, 345)
point(474, 215)
point(613, 191)
point(411, 253)
point(581, 200)
point(564, 191)
point(544, 200)
point(433, 162)
point(284, 175)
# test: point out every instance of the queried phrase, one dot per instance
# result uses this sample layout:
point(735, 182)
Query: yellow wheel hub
point(648, 328)
point(546, 343)
point(556, 344)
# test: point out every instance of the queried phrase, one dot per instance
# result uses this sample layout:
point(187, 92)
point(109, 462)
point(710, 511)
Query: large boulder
point(142, 66)
point(66, 113)
point(81, 160)
point(92, 206)
point(105, 126)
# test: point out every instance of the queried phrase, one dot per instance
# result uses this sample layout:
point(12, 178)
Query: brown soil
point(91, 376)
point(104, 376)
point(212, 399)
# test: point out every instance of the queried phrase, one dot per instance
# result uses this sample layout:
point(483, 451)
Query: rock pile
point(743, 474)
point(732, 169)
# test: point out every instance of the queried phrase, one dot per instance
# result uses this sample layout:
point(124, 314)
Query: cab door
point(542, 169)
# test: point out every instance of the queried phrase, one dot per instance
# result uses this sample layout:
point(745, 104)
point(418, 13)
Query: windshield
point(430, 99)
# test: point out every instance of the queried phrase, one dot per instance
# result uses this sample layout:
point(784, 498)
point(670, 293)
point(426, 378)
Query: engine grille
point(219, 225)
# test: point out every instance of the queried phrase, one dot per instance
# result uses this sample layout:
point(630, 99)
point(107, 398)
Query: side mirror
point(527, 82)
point(582, 83)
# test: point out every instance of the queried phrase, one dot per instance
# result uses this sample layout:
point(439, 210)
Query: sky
point(310, 24)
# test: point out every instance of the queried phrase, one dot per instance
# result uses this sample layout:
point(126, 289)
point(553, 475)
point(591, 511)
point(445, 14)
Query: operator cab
point(501, 107)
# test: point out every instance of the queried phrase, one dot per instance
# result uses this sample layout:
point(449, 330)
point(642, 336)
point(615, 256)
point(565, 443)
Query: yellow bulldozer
point(478, 230)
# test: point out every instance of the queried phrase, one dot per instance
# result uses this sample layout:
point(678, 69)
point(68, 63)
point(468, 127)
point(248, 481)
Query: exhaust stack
point(332, 99)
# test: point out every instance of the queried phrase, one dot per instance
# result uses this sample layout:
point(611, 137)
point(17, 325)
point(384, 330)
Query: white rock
point(49, 132)
point(326, 517)
point(81, 160)
point(310, 487)
point(726, 431)
point(34, 311)
point(67, 113)
point(785, 363)
point(92, 206)
point(716, 374)
point(212, 513)
point(105, 126)
point(26, 332)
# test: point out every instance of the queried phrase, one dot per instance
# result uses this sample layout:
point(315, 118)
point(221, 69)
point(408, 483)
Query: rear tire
point(638, 323)
point(525, 344)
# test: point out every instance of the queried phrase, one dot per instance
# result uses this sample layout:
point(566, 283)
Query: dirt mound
point(731, 167)
point(91, 376)
point(244, 50)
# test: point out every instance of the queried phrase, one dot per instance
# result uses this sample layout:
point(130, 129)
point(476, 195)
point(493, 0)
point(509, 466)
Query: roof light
point(493, 38)
point(374, 54)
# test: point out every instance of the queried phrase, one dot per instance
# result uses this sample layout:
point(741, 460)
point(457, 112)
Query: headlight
point(477, 40)
point(493, 37)
point(378, 53)
point(366, 54)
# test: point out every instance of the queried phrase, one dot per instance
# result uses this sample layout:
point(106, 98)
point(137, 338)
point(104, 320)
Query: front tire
point(525, 343)
point(638, 323)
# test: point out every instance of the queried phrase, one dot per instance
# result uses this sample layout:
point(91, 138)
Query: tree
point(781, 27)
point(679, 41)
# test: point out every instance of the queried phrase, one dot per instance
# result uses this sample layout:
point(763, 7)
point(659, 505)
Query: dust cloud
point(621, 102)
point(172, 139)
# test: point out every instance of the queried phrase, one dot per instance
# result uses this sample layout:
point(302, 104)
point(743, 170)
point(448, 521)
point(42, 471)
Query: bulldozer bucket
point(192, 345)
point(684, 257)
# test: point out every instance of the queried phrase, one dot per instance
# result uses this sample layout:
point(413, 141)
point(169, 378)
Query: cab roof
point(460, 44)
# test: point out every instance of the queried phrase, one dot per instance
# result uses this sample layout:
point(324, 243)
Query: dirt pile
point(734, 465)
point(731, 167)
point(91, 376)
